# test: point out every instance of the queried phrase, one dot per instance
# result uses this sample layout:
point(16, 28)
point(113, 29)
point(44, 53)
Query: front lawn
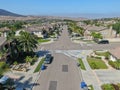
point(39, 65)
point(105, 54)
point(96, 63)
point(81, 64)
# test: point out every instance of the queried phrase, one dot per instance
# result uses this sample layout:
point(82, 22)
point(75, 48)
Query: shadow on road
point(26, 84)
point(42, 53)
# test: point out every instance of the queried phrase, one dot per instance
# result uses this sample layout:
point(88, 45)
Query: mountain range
point(8, 13)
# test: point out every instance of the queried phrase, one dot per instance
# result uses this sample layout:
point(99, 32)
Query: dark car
point(103, 42)
point(48, 59)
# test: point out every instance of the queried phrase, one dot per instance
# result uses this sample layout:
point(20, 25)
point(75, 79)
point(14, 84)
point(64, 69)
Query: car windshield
point(48, 55)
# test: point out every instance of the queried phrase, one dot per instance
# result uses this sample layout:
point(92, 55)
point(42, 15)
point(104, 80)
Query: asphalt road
point(54, 77)
point(65, 43)
point(61, 74)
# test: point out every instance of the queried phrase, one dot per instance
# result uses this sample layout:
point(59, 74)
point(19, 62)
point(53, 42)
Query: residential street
point(65, 53)
point(65, 43)
point(60, 45)
point(63, 72)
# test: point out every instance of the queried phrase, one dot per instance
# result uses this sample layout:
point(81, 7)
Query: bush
point(1, 71)
point(111, 63)
point(91, 87)
point(116, 87)
point(97, 57)
point(105, 54)
point(15, 63)
point(107, 87)
point(3, 67)
point(114, 64)
point(2, 64)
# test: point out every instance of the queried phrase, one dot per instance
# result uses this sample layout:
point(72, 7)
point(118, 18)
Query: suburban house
point(115, 54)
point(106, 32)
point(38, 30)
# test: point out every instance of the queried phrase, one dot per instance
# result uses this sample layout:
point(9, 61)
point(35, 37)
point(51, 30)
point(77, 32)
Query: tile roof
point(116, 52)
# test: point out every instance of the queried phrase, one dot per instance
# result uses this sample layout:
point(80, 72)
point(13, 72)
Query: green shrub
point(1, 71)
point(118, 85)
point(91, 87)
point(107, 87)
point(105, 54)
point(3, 67)
point(2, 64)
point(114, 64)
point(97, 57)
point(15, 63)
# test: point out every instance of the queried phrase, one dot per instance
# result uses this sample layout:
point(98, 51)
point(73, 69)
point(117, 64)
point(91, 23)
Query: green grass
point(81, 64)
point(106, 54)
point(96, 63)
point(43, 40)
point(91, 87)
point(39, 65)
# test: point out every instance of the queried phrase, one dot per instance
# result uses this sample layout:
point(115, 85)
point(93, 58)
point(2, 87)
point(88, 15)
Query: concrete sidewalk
point(90, 76)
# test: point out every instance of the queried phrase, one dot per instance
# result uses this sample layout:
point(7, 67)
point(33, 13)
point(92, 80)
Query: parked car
point(48, 59)
point(103, 42)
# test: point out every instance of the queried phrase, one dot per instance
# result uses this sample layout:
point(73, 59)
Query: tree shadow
point(28, 84)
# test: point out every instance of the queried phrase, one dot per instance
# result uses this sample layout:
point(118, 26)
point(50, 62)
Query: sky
point(85, 8)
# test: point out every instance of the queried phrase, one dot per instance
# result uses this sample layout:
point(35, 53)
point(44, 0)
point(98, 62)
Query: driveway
point(108, 76)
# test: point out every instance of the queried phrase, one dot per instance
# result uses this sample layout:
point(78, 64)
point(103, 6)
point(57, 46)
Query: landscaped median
point(81, 64)
point(43, 40)
point(96, 63)
point(39, 65)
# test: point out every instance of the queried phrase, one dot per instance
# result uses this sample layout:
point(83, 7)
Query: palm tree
point(28, 42)
point(12, 44)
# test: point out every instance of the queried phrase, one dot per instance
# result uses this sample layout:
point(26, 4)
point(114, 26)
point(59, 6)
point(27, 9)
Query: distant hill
point(7, 13)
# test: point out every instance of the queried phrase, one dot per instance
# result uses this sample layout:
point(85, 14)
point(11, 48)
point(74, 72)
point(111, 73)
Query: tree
point(28, 42)
point(72, 27)
point(116, 27)
point(12, 44)
point(96, 35)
